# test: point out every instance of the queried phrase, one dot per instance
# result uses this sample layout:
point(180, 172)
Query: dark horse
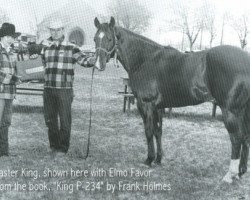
point(162, 77)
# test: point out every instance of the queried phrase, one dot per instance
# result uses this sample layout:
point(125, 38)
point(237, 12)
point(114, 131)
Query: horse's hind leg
point(245, 141)
point(237, 123)
point(146, 110)
point(158, 134)
point(239, 131)
point(232, 124)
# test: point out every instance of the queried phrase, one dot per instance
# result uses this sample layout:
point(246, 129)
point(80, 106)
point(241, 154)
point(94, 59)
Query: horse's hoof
point(228, 178)
point(148, 162)
point(158, 162)
point(243, 170)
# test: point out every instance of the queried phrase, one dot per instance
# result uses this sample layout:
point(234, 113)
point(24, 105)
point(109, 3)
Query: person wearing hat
point(59, 57)
point(20, 51)
point(8, 81)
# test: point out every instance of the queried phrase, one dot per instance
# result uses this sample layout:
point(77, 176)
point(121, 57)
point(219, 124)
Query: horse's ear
point(97, 23)
point(112, 22)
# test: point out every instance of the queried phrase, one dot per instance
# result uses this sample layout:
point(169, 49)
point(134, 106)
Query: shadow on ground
point(27, 109)
point(187, 116)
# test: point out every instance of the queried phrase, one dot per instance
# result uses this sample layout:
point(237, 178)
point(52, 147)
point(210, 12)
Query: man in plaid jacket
point(8, 80)
point(59, 57)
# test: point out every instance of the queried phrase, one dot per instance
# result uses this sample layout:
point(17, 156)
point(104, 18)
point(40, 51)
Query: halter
point(108, 52)
point(114, 49)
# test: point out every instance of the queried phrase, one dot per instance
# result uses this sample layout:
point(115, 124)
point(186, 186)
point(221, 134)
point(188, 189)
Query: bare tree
point(188, 18)
point(3, 16)
point(222, 28)
point(210, 23)
point(130, 14)
point(201, 33)
point(212, 31)
point(209, 13)
point(241, 26)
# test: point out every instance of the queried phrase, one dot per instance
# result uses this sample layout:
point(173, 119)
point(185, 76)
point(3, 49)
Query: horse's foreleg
point(151, 148)
point(146, 111)
point(158, 134)
point(149, 131)
point(243, 158)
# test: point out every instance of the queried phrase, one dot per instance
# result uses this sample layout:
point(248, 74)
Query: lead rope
point(90, 114)
point(115, 59)
point(91, 88)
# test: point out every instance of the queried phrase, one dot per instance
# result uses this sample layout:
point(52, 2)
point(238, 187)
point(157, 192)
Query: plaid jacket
point(7, 69)
point(59, 63)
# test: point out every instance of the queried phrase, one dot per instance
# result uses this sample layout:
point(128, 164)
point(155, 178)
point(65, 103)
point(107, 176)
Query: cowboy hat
point(8, 29)
point(56, 24)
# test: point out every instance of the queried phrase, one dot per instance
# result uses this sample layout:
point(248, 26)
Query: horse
point(163, 77)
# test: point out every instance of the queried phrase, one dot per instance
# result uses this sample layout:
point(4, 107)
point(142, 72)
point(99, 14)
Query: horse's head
point(105, 42)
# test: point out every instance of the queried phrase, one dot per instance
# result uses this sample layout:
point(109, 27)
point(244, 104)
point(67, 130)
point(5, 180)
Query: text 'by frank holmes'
point(137, 186)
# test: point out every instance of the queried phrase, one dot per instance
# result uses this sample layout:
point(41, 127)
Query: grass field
point(196, 151)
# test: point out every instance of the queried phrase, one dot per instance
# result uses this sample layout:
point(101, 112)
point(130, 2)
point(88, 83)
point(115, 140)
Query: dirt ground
point(196, 151)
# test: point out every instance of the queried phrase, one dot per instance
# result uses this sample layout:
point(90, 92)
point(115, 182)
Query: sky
point(24, 12)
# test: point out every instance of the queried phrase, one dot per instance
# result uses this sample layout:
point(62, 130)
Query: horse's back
point(229, 58)
point(227, 67)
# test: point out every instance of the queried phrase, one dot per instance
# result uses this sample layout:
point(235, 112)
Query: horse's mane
point(140, 37)
point(170, 48)
point(147, 40)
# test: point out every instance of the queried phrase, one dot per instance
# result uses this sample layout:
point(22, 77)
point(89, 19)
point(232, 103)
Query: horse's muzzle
point(99, 66)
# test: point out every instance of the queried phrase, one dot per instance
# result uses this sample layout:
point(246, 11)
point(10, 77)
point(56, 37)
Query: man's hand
point(34, 56)
point(15, 80)
point(19, 81)
point(92, 61)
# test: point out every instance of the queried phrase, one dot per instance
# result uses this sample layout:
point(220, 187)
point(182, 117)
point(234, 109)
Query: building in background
point(79, 17)
point(26, 38)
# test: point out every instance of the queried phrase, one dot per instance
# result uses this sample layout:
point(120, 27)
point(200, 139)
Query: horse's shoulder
point(162, 56)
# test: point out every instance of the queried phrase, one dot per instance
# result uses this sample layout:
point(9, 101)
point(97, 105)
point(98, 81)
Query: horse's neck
point(132, 50)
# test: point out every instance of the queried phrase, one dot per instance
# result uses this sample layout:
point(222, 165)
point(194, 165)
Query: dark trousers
point(21, 55)
point(5, 122)
point(57, 108)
